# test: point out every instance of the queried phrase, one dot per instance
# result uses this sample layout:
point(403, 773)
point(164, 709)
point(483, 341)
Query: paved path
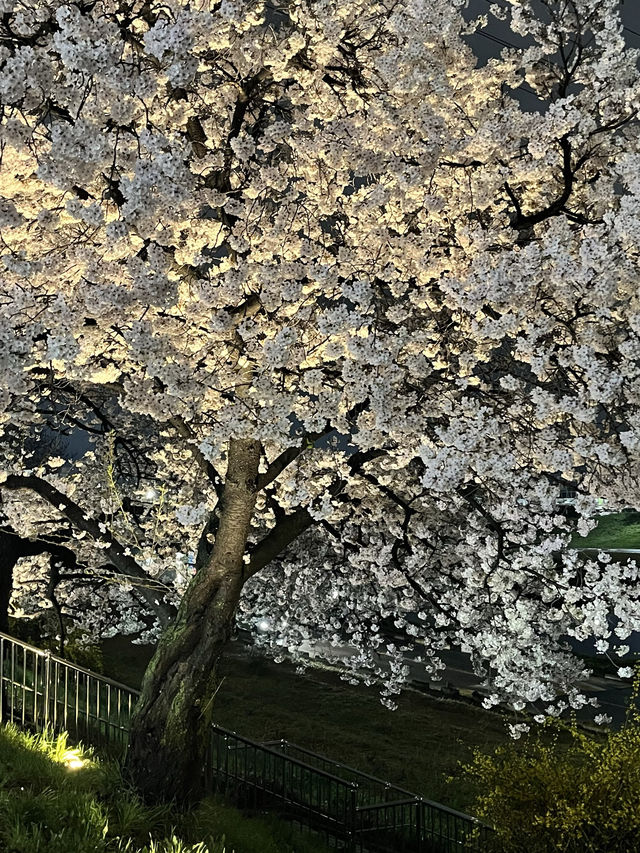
point(459, 678)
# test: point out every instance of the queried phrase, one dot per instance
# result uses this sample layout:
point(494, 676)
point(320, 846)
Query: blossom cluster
point(319, 224)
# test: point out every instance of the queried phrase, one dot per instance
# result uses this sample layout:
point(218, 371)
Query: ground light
point(72, 760)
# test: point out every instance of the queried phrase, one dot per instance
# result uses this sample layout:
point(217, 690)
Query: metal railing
point(417, 826)
point(356, 812)
point(359, 811)
point(390, 818)
point(371, 790)
point(260, 777)
point(39, 689)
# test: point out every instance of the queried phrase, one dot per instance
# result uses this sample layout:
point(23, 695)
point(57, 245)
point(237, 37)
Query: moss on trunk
point(169, 730)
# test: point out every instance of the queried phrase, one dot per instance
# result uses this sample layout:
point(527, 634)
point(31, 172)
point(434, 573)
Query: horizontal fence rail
point(415, 824)
point(354, 811)
point(371, 790)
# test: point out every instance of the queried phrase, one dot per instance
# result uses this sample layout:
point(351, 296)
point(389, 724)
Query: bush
point(572, 791)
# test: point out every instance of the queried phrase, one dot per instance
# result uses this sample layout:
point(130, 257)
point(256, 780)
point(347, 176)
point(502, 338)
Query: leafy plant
point(56, 797)
point(573, 792)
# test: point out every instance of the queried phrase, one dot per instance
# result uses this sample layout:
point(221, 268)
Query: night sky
point(490, 41)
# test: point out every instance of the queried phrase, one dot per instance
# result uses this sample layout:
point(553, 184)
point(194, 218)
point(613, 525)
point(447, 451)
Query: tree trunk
point(169, 729)
point(9, 556)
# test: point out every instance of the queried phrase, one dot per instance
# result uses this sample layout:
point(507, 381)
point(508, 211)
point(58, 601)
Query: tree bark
point(169, 728)
point(9, 556)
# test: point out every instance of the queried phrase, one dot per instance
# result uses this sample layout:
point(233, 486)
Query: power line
point(522, 86)
point(504, 43)
point(624, 26)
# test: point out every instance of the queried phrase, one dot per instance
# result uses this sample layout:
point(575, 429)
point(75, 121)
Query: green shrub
point(572, 791)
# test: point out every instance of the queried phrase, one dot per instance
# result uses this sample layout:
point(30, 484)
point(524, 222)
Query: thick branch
point(123, 563)
point(522, 221)
point(288, 456)
point(293, 525)
point(274, 543)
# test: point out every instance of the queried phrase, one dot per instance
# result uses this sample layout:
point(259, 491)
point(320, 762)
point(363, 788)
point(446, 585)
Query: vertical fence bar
point(119, 711)
point(24, 686)
point(11, 681)
point(87, 700)
point(351, 820)
point(47, 676)
point(287, 784)
point(34, 704)
point(76, 700)
point(66, 696)
point(13, 677)
point(108, 712)
point(56, 670)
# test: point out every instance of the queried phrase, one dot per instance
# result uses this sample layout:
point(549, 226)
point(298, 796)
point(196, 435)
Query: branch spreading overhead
point(322, 226)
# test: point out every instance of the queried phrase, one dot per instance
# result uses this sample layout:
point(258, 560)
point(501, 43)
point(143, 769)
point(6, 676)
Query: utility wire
point(624, 26)
point(504, 43)
point(522, 86)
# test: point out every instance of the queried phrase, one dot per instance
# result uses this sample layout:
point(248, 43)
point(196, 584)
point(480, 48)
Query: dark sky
point(490, 41)
point(630, 17)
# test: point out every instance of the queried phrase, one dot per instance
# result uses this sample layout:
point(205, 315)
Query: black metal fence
point(355, 812)
point(391, 819)
point(360, 812)
point(260, 777)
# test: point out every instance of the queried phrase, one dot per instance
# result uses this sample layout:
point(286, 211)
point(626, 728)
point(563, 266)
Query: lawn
point(616, 530)
point(416, 747)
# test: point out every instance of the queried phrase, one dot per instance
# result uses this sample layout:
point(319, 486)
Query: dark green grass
point(618, 530)
point(58, 799)
point(418, 747)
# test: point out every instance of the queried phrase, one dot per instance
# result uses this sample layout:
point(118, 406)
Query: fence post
point(351, 821)
point(284, 779)
point(419, 817)
point(47, 676)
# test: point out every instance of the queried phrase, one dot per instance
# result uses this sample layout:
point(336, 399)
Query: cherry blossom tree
point(364, 313)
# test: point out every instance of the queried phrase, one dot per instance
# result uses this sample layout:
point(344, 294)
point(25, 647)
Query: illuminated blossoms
point(322, 226)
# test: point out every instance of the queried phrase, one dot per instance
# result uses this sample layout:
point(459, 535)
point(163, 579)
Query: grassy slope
point(618, 530)
point(416, 747)
point(48, 807)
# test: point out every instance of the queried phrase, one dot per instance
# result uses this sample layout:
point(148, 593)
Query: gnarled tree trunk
point(9, 556)
point(169, 730)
